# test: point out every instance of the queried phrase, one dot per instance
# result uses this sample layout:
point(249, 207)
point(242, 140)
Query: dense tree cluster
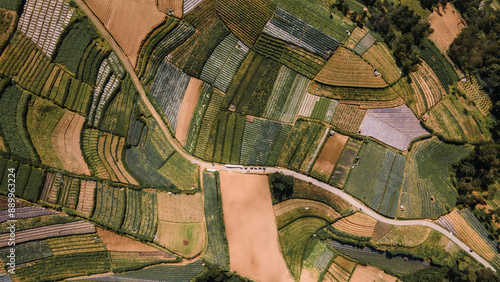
point(476, 49)
point(281, 185)
point(401, 29)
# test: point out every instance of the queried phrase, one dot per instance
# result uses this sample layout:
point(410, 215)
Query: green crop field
point(167, 272)
point(109, 206)
point(439, 64)
point(377, 178)
point(149, 215)
point(132, 219)
point(217, 251)
point(294, 238)
point(27, 252)
point(427, 190)
point(345, 162)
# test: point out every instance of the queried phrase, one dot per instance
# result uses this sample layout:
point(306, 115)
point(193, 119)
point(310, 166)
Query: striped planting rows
point(168, 88)
point(364, 44)
point(289, 90)
point(86, 198)
point(56, 230)
point(43, 21)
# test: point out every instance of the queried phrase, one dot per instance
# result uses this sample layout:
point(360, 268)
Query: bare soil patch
point(175, 5)
point(117, 243)
point(370, 273)
point(330, 153)
point(251, 228)
point(447, 24)
point(128, 21)
point(65, 140)
point(187, 109)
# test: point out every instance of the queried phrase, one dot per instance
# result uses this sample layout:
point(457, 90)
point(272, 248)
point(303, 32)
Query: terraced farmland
point(345, 68)
point(379, 56)
point(345, 162)
point(427, 190)
point(451, 120)
point(427, 88)
point(348, 117)
point(474, 91)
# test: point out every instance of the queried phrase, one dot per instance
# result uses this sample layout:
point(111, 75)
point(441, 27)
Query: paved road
point(357, 204)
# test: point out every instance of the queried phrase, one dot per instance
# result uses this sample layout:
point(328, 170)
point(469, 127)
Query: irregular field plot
point(329, 156)
point(447, 24)
point(126, 22)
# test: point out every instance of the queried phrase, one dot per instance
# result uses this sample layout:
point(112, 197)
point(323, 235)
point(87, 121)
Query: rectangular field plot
point(224, 141)
point(264, 143)
point(317, 258)
point(110, 206)
point(317, 107)
point(302, 145)
point(377, 178)
point(348, 117)
point(395, 127)
point(289, 89)
point(217, 251)
point(427, 190)
point(168, 88)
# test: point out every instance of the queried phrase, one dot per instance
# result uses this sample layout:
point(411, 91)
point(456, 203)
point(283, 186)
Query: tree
point(281, 185)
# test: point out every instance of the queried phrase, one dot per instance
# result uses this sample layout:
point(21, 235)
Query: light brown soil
point(251, 228)
point(128, 21)
point(187, 109)
point(180, 208)
point(185, 239)
point(370, 273)
point(446, 26)
point(175, 5)
point(345, 263)
point(117, 243)
point(330, 153)
point(65, 140)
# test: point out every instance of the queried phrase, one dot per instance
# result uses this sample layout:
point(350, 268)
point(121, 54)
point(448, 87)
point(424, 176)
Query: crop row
point(92, 58)
point(289, 89)
point(181, 172)
point(324, 109)
point(264, 143)
point(250, 134)
point(427, 87)
point(207, 122)
point(217, 251)
point(43, 22)
point(75, 244)
point(364, 44)
point(172, 272)
point(279, 144)
point(474, 91)
point(13, 109)
point(314, 150)
point(345, 68)
point(168, 89)
point(443, 69)
point(345, 163)
point(62, 190)
point(382, 60)
point(356, 35)
point(109, 206)
point(160, 50)
point(254, 14)
point(348, 117)
point(198, 117)
point(290, 210)
point(28, 179)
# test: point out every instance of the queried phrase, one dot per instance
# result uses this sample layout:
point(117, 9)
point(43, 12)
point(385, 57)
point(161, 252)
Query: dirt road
point(119, 52)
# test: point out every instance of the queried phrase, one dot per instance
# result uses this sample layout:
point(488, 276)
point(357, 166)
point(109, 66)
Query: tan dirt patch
point(345, 263)
point(358, 224)
point(126, 21)
point(446, 26)
point(330, 153)
point(185, 239)
point(180, 208)
point(370, 273)
point(117, 243)
point(251, 228)
point(65, 140)
point(174, 5)
point(187, 109)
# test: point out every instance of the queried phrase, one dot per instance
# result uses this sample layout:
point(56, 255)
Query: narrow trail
point(353, 201)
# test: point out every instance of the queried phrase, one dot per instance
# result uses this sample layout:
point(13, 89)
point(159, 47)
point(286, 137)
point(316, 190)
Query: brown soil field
point(187, 109)
point(117, 243)
point(345, 263)
point(185, 239)
point(447, 24)
point(330, 153)
point(370, 273)
point(180, 208)
point(65, 140)
point(125, 21)
point(174, 5)
point(2, 145)
point(251, 228)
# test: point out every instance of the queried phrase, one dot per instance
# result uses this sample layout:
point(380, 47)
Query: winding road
point(353, 201)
